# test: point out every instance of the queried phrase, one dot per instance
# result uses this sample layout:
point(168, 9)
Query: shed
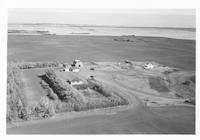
point(77, 63)
point(75, 82)
point(72, 69)
point(148, 66)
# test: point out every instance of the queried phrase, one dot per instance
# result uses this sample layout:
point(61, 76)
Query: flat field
point(33, 88)
point(170, 52)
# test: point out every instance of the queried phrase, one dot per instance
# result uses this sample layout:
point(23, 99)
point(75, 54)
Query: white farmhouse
point(148, 66)
point(77, 63)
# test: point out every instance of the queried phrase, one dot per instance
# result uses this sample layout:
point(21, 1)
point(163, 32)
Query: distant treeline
point(30, 65)
point(28, 32)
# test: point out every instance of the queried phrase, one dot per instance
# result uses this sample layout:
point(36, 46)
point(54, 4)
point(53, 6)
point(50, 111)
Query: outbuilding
point(77, 63)
point(75, 82)
point(148, 66)
point(73, 69)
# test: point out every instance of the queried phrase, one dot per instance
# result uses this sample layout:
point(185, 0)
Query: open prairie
point(34, 48)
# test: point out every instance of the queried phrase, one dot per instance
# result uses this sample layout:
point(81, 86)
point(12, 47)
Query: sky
point(184, 18)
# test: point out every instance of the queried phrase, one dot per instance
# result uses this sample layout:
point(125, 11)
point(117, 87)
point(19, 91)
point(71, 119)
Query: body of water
point(66, 29)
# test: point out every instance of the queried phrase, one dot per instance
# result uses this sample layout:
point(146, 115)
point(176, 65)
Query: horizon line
point(98, 25)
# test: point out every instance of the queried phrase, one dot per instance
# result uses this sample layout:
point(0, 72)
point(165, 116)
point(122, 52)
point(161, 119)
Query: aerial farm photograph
point(101, 71)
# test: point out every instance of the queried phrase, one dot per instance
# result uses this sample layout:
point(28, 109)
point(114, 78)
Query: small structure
point(64, 65)
point(74, 69)
point(77, 63)
point(75, 82)
point(127, 61)
point(148, 66)
point(92, 69)
point(91, 77)
point(65, 69)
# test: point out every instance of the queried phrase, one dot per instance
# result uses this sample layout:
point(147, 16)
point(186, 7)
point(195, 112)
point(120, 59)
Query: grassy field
point(33, 87)
point(171, 52)
point(163, 120)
